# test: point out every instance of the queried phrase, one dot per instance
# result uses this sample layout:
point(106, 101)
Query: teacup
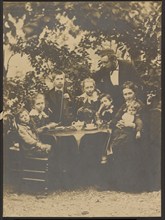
point(90, 126)
point(78, 125)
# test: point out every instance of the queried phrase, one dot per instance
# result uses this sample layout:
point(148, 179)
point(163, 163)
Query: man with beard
point(112, 74)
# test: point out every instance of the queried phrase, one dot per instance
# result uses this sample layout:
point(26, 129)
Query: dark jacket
point(127, 72)
point(106, 115)
point(61, 107)
point(139, 118)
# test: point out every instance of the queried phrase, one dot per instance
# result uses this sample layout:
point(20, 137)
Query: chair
point(23, 170)
point(31, 172)
point(13, 167)
point(34, 173)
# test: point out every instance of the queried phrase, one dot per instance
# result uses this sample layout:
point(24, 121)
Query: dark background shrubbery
point(135, 27)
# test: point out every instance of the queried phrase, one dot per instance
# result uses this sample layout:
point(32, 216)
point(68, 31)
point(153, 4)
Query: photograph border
point(162, 128)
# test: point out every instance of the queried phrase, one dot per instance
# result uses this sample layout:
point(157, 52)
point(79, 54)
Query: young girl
point(39, 114)
point(106, 109)
point(88, 102)
point(28, 135)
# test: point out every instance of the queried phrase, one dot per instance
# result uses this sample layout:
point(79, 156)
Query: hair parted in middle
point(130, 85)
point(36, 96)
point(108, 96)
point(90, 80)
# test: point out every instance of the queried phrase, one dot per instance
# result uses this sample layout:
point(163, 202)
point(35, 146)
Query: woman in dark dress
point(128, 155)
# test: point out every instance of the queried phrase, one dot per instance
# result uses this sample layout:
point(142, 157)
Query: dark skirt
point(126, 161)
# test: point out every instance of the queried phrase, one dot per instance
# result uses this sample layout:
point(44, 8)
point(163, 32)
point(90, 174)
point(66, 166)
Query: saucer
point(91, 128)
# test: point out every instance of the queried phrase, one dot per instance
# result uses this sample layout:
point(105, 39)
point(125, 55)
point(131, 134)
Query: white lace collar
point(34, 112)
point(93, 98)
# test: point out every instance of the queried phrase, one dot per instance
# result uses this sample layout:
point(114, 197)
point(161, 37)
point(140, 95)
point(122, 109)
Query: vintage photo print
point(82, 109)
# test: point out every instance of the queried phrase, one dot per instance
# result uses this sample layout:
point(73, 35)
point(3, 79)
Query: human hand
point(51, 125)
point(46, 147)
point(101, 108)
point(109, 130)
point(41, 129)
point(129, 124)
point(120, 124)
point(66, 96)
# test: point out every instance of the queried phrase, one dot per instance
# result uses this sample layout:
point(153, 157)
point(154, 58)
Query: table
point(79, 164)
point(78, 134)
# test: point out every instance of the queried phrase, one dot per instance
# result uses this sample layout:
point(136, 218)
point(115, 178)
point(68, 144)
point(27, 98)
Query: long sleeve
point(27, 135)
point(61, 107)
point(118, 116)
point(139, 124)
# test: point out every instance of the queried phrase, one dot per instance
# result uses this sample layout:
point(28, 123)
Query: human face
point(109, 62)
point(59, 81)
point(128, 94)
point(106, 102)
point(89, 88)
point(131, 111)
point(24, 117)
point(39, 104)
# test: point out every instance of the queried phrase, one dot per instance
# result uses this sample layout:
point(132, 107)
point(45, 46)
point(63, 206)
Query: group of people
point(111, 98)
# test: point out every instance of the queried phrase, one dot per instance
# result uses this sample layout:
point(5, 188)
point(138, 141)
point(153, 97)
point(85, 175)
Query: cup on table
point(90, 126)
point(78, 125)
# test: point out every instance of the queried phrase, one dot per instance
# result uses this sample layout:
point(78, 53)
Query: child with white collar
point(88, 102)
point(39, 115)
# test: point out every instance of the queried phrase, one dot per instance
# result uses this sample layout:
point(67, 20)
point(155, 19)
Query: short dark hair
point(130, 85)
point(57, 72)
point(107, 52)
point(108, 96)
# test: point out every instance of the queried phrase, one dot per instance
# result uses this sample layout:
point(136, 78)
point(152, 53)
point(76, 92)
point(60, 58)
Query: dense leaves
point(61, 35)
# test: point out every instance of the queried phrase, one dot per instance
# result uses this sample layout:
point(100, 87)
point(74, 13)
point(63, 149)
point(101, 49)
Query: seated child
point(87, 103)
point(29, 136)
point(40, 115)
point(122, 133)
point(131, 116)
point(105, 112)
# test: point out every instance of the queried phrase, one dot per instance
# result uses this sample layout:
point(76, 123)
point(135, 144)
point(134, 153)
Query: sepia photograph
point(82, 109)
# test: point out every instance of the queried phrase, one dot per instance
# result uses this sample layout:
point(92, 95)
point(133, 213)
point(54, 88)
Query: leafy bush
point(134, 27)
